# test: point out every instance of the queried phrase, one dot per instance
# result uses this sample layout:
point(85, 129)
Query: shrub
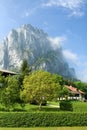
point(66, 105)
point(2, 108)
point(18, 109)
point(42, 119)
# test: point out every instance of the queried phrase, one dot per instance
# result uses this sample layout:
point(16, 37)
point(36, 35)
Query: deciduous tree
point(11, 92)
point(39, 86)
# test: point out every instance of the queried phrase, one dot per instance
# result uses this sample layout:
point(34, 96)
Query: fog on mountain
point(40, 50)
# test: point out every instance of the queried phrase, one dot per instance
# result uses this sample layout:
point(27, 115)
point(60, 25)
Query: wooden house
point(75, 94)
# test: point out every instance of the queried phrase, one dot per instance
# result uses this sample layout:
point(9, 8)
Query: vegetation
point(40, 86)
point(78, 107)
point(42, 119)
point(25, 69)
point(36, 87)
point(47, 128)
point(82, 86)
point(10, 94)
point(66, 105)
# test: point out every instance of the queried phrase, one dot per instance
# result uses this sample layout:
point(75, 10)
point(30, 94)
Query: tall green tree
point(25, 67)
point(82, 86)
point(11, 93)
point(2, 85)
point(65, 93)
point(24, 70)
point(39, 86)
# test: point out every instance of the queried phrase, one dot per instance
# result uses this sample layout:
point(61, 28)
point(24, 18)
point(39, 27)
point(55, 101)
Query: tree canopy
point(25, 67)
point(11, 92)
point(39, 86)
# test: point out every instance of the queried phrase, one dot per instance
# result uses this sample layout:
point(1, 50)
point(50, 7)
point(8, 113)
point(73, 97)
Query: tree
point(25, 68)
point(82, 86)
point(2, 85)
point(11, 93)
point(58, 79)
point(65, 93)
point(39, 86)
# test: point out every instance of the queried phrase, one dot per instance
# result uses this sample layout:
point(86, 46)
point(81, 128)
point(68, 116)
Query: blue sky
point(63, 20)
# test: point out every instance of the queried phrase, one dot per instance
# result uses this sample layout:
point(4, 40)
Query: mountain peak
point(36, 46)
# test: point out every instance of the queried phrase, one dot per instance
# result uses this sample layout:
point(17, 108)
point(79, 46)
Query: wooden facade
point(75, 94)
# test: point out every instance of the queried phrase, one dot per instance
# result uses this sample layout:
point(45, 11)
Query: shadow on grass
point(50, 109)
point(32, 108)
point(46, 109)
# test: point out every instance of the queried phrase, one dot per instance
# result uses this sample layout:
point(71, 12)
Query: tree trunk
point(40, 106)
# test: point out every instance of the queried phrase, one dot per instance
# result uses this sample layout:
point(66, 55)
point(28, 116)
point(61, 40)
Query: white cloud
point(82, 75)
point(82, 72)
point(70, 56)
point(75, 6)
point(77, 13)
point(56, 41)
point(71, 4)
point(78, 63)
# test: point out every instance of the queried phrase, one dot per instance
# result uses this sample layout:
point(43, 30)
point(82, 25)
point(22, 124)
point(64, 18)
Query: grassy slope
point(54, 128)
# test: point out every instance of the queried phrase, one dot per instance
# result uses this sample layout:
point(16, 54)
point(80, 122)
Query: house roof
point(74, 90)
point(7, 72)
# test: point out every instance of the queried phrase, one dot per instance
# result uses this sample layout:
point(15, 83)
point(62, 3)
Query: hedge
point(66, 105)
point(42, 119)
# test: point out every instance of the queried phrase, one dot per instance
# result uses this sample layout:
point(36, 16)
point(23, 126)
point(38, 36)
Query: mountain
point(37, 47)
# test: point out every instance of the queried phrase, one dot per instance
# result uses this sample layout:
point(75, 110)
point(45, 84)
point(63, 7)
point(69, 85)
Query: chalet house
point(75, 94)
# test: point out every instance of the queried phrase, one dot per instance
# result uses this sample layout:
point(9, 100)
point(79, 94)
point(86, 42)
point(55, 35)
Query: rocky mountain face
point(35, 46)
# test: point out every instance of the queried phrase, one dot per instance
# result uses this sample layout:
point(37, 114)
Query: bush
point(66, 105)
point(2, 108)
point(18, 109)
point(42, 119)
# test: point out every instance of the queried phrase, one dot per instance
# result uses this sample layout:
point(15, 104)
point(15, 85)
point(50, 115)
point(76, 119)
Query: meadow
point(54, 106)
point(50, 107)
point(78, 107)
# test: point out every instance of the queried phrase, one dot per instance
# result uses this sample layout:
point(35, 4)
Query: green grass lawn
point(79, 106)
point(50, 128)
point(53, 107)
